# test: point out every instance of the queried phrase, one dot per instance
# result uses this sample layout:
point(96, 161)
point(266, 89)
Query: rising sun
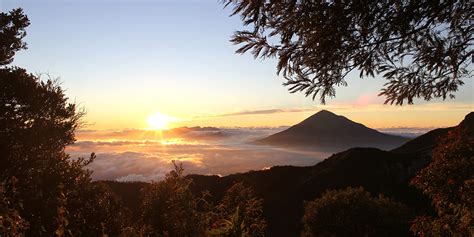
point(159, 121)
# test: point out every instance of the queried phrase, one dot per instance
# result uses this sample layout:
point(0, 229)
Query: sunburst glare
point(159, 121)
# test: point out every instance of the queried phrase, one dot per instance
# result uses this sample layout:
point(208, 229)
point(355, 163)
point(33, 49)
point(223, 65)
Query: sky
point(125, 60)
point(132, 64)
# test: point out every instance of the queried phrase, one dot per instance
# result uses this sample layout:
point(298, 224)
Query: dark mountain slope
point(376, 170)
point(468, 122)
point(326, 130)
point(426, 142)
point(284, 189)
point(279, 187)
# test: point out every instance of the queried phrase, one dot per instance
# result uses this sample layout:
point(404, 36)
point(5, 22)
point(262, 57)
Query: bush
point(354, 212)
point(449, 181)
point(11, 223)
point(171, 209)
point(238, 214)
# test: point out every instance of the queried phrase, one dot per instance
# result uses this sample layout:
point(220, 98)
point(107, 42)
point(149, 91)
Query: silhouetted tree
point(100, 211)
point(449, 181)
point(171, 209)
point(37, 122)
point(423, 48)
point(354, 212)
point(12, 31)
point(239, 214)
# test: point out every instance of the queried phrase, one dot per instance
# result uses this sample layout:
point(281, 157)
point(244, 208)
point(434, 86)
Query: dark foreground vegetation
point(423, 188)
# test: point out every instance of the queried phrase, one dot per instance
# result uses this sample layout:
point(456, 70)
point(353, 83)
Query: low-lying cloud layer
point(409, 132)
point(146, 155)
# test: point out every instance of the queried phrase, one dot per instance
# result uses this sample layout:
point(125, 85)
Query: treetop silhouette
point(12, 31)
point(422, 48)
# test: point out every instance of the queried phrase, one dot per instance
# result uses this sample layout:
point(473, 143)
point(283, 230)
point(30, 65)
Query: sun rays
point(159, 121)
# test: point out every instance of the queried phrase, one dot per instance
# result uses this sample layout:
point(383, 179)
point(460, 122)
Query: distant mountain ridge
point(326, 130)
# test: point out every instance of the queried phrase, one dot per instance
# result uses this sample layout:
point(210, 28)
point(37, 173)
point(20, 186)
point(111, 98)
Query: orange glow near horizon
point(373, 116)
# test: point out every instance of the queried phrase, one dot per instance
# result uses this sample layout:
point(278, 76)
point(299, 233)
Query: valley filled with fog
point(146, 155)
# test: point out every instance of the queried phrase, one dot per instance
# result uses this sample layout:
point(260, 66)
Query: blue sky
point(125, 60)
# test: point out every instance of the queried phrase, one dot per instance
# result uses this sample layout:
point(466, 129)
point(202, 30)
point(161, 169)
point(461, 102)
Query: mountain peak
point(468, 120)
point(326, 119)
point(324, 112)
point(468, 123)
point(326, 129)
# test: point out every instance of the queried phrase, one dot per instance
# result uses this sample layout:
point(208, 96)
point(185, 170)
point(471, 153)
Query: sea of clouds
point(147, 155)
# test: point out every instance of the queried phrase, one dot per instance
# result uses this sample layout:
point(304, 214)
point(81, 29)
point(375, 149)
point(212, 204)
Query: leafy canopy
point(12, 31)
point(355, 212)
point(449, 181)
point(422, 48)
point(43, 191)
point(171, 209)
point(239, 214)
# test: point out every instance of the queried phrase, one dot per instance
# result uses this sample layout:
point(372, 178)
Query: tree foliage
point(12, 31)
point(53, 193)
point(239, 214)
point(422, 48)
point(171, 209)
point(36, 124)
point(11, 223)
point(354, 212)
point(449, 181)
point(101, 212)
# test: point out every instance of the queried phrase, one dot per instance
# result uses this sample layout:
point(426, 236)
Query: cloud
point(410, 132)
point(133, 166)
point(149, 166)
point(177, 136)
point(365, 100)
point(189, 133)
point(147, 160)
point(257, 112)
point(369, 102)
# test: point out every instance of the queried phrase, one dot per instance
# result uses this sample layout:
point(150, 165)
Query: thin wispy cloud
point(257, 112)
point(312, 109)
point(367, 102)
